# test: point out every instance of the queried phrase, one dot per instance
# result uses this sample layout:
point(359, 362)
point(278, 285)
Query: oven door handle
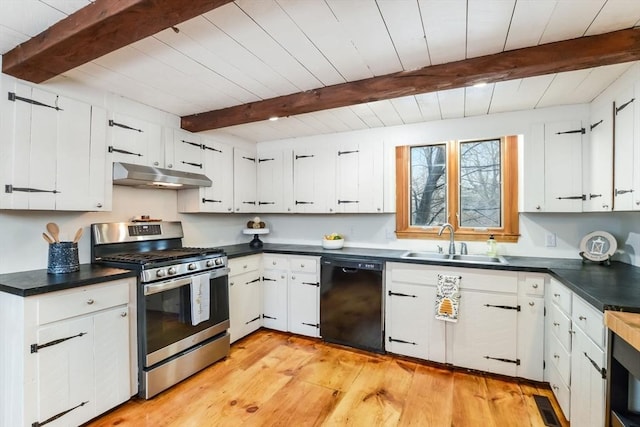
point(154, 288)
point(165, 286)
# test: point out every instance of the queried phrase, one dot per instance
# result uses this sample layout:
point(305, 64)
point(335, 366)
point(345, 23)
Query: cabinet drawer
point(75, 302)
point(275, 262)
point(589, 320)
point(560, 359)
point(244, 264)
point(303, 264)
point(561, 326)
point(532, 285)
point(560, 390)
point(560, 295)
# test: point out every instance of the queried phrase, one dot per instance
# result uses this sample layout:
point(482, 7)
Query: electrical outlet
point(550, 240)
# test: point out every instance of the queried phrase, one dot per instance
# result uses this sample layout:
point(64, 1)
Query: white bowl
point(332, 244)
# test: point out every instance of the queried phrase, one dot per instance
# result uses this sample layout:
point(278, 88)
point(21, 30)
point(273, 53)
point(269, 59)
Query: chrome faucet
point(452, 244)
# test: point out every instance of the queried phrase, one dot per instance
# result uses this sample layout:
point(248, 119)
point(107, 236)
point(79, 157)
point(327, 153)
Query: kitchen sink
point(470, 259)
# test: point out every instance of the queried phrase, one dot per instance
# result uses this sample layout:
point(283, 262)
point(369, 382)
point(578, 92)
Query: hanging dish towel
point(448, 297)
point(200, 298)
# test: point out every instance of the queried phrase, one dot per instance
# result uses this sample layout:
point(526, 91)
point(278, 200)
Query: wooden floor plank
point(278, 379)
point(377, 395)
point(430, 398)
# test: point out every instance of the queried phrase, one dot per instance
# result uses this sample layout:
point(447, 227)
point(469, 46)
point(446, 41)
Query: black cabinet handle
point(252, 320)
point(206, 147)
point(117, 150)
point(340, 153)
point(36, 347)
point(123, 126)
point(595, 125)
point(55, 417)
point(315, 325)
point(602, 371)
point(210, 201)
point(504, 307)
point(303, 203)
point(251, 159)
point(582, 197)
point(197, 165)
point(304, 156)
point(501, 359)
point(13, 97)
point(266, 203)
point(10, 189)
point(401, 341)
point(195, 144)
point(581, 130)
point(265, 160)
point(340, 202)
point(398, 294)
point(622, 107)
point(316, 284)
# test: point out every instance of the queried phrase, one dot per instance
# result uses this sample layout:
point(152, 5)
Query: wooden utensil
point(46, 237)
point(54, 230)
point(78, 235)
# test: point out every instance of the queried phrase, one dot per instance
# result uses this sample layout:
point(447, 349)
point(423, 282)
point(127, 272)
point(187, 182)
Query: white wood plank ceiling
point(252, 50)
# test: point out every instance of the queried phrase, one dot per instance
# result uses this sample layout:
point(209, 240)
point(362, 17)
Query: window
point(470, 184)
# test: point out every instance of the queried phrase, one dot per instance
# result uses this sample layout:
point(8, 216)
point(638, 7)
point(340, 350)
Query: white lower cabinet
point(274, 291)
point(304, 295)
point(486, 334)
point(80, 355)
point(245, 296)
point(576, 356)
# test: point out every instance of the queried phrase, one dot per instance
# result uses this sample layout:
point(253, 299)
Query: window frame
point(508, 232)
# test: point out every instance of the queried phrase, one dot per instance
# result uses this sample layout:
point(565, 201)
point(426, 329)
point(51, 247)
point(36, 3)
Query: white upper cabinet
point(132, 140)
point(314, 179)
point(244, 180)
point(627, 146)
point(557, 156)
point(597, 158)
point(275, 180)
point(359, 177)
point(52, 151)
point(218, 167)
point(184, 152)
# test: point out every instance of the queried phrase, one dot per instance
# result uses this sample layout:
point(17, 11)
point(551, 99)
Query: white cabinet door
point(245, 304)
point(314, 180)
point(218, 167)
point(132, 140)
point(244, 180)
point(485, 335)
point(588, 391)
point(597, 158)
point(407, 319)
point(359, 177)
point(304, 304)
point(111, 358)
point(563, 167)
point(65, 373)
point(627, 144)
point(187, 153)
point(275, 181)
point(274, 299)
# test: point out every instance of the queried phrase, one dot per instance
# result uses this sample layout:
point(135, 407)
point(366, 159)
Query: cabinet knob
point(538, 207)
point(555, 387)
point(274, 263)
point(556, 324)
point(230, 283)
point(98, 205)
point(170, 165)
point(638, 203)
point(531, 303)
point(556, 295)
point(123, 314)
point(90, 301)
point(282, 276)
point(245, 266)
point(229, 209)
point(607, 206)
point(288, 209)
point(237, 209)
point(582, 318)
point(156, 164)
point(293, 277)
point(556, 356)
point(301, 265)
point(534, 286)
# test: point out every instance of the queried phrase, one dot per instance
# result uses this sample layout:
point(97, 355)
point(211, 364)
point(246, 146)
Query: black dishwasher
point(351, 311)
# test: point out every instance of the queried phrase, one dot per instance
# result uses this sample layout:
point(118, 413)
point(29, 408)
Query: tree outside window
point(470, 184)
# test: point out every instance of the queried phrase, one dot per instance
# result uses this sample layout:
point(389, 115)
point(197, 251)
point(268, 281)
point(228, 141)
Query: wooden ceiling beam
point(95, 30)
point(576, 54)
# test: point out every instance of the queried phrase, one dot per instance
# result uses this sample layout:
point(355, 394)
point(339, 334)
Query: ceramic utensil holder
point(63, 258)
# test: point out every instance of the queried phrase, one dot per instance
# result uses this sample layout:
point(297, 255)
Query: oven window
point(168, 314)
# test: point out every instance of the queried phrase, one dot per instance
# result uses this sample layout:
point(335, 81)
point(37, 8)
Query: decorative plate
point(598, 246)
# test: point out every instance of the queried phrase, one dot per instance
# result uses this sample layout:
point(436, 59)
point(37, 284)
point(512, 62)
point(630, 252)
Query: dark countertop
point(615, 287)
point(36, 282)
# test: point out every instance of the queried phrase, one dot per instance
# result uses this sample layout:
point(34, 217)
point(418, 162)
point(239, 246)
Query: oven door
point(166, 316)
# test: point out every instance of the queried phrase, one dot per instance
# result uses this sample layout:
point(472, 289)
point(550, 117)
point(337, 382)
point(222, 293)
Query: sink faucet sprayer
point(452, 244)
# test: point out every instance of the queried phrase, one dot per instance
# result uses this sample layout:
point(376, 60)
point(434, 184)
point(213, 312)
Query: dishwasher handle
point(352, 265)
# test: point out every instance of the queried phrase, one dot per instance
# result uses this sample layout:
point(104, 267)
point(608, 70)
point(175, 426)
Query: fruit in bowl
point(333, 236)
point(332, 241)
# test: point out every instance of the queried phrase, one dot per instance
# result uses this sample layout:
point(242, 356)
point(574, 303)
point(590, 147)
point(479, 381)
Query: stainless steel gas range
point(183, 298)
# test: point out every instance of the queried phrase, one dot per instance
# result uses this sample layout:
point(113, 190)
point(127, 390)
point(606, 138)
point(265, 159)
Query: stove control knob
point(161, 273)
point(209, 263)
point(191, 266)
point(172, 270)
point(218, 261)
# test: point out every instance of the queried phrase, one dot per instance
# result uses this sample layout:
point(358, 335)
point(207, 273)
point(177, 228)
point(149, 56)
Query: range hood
point(151, 177)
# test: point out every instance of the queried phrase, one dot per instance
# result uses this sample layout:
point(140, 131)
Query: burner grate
point(160, 256)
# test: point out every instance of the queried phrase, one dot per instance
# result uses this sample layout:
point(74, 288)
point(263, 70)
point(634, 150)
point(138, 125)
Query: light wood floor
point(277, 379)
